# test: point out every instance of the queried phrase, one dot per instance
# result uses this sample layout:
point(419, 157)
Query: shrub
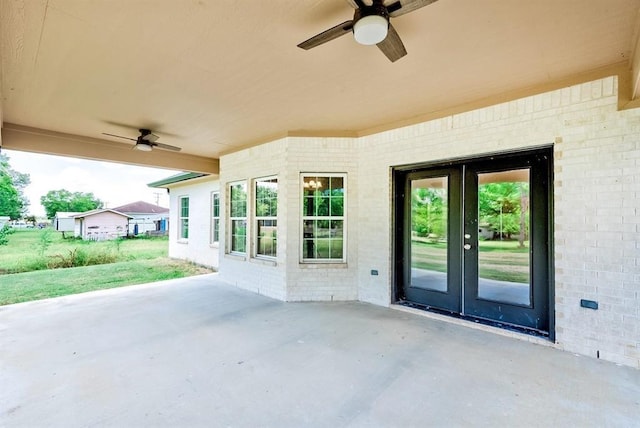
point(4, 233)
point(80, 257)
point(44, 241)
point(38, 263)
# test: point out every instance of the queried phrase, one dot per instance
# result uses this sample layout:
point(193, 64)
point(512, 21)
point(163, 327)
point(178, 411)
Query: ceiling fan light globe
point(142, 147)
point(371, 29)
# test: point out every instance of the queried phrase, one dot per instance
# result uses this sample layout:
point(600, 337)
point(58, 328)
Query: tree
point(504, 206)
point(65, 201)
point(13, 202)
point(429, 211)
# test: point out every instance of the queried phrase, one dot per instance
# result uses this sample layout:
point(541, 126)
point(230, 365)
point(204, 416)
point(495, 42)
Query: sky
point(113, 183)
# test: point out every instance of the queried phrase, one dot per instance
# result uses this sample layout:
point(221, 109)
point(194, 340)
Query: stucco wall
point(198, 248)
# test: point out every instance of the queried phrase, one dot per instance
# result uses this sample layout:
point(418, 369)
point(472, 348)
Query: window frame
point(214, 235)
point(232, 219)
point(256, 218)
point(182, 218)
point(304, 217)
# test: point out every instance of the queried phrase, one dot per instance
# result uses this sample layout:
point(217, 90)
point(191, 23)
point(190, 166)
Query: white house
point(194, 199)
point(100, 224)
point(145, 218)
point(4, 220)
point(327, 218)
point(63, 221)
point(310, 181)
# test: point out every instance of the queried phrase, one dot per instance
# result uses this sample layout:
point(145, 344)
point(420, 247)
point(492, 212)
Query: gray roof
point(141, 207)
point(183, 176)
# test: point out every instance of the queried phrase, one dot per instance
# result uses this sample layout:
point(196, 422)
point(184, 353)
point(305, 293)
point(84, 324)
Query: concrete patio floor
point(198, 352)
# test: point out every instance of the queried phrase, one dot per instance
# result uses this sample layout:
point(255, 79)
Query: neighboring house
point(4, 220)
point(195, 217)
point(64, 221)
point(146, 218)
point(486, 231)
point(100, 224)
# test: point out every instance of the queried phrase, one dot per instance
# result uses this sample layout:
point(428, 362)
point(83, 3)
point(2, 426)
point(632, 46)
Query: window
point(215, 217)
point(184, 218)
point(266, 217)
point(238, 217)
point(323, 221)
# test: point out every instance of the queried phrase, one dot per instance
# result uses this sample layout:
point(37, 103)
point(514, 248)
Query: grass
point(26, 251)
point(43, 284)
point(132, 261)
point(498, 260)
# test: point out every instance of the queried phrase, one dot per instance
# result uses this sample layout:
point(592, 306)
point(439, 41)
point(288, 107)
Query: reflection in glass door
point(503, 237)
point(432, 265)
point(429, 214)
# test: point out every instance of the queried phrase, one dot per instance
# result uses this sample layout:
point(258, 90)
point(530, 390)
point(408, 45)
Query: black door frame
point(452, 300)
point(400, 224)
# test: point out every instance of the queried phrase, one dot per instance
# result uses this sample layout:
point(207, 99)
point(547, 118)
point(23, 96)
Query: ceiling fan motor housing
point(370, 23)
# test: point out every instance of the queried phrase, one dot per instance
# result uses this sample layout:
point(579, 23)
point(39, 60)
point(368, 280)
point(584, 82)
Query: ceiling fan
point(370, 26)
point(146, 141)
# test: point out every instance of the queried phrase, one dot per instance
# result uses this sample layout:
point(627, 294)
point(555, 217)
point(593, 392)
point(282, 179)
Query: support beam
point(635, 61)
point(23, 138)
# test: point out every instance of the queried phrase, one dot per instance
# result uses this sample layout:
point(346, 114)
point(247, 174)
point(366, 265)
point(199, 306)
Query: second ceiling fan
point(371, 26)
point(146, 141)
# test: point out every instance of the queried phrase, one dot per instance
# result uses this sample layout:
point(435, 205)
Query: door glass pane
point(503, 237)
point(429, 233)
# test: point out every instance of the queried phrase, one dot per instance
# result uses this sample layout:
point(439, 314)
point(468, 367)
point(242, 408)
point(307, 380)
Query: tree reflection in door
point(429, 215)
point(503, 234)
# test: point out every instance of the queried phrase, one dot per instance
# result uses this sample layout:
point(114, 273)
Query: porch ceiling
point(215, 76)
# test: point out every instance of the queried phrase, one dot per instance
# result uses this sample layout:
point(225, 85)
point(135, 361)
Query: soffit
point(214, 76)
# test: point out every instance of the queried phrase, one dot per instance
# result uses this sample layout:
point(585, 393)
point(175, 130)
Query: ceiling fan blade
point(356, 3)
point(166, 147)
point(328, 35)
point(119, 136)
point(392, 46)
point(152, 138)
point(402, 7)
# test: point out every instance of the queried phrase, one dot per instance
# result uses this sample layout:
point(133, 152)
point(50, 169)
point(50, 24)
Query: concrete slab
point(198, 352)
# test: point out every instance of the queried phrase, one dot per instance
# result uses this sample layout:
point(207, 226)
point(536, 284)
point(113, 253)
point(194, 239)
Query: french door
point(473, 239)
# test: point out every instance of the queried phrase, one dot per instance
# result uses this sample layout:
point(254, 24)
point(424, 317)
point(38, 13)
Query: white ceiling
point(212, 76)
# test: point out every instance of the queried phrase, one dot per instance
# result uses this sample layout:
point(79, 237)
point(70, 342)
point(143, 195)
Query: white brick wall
point(197, 248)
point(597, 203)
point(317, 281)
point(261, 276)
point(596, 197)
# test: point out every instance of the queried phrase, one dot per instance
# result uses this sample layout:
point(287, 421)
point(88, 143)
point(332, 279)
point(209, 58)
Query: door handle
point(467, 246)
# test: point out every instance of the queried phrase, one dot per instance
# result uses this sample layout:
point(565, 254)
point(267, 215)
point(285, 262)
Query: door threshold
point(500, 328)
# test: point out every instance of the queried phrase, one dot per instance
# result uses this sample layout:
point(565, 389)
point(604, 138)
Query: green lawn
point(24, 275)
point(43, 284)
point(499, 260)
point(26, 252)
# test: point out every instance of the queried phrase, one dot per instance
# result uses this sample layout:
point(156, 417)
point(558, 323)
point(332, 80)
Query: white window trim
point(212, 241)
point(230, 219)
point(180, 218)
point(302, 218)
point(255, 218)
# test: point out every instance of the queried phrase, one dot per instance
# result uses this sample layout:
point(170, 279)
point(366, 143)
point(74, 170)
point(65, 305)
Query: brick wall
point(265, 277)
point(596, 198)
point(597, 203)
